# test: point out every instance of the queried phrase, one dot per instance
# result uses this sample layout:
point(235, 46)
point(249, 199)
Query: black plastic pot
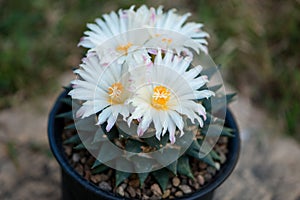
point(75, 187)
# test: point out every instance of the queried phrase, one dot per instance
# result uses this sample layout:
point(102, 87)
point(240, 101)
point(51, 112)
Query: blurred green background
point(257, 43)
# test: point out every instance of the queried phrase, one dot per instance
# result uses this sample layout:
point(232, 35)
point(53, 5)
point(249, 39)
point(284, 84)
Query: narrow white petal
point(157, 125)
point(203, 94)
point(104, 115)
point(172, 128)
point(177, 119)
point(192, 73)
point(111, 122)
point(164, 119)
point(199, 82)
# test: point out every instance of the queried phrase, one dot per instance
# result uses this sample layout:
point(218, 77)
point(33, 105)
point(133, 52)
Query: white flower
point(167, 92)
point(114, 36)
point(104, 90)
point(172, 32)
point(117, 34)
point(143, 17)
point(111, 25)
point(121, 46)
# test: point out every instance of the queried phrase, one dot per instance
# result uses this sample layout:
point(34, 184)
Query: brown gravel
point(176, 181)
point(179, 185)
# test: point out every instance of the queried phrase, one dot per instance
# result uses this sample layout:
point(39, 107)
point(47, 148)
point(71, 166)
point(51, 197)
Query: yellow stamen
point(114, 93)
point(167, 40)
point(161, 96)
point(124, 48)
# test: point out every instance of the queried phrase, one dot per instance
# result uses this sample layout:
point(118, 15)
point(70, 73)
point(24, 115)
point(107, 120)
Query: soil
point(82, 161)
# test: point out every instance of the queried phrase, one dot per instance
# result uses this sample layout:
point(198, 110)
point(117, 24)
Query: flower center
point(124, 48)
point(114, 93)
point(167, 40)
point(160, 97)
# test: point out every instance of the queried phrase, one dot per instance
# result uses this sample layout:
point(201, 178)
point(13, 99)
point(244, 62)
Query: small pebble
point(96, 178)
point(223, 148)
point(68, 150)
point(211, 170)
point(176, 181)
point(196, 185)
point(105, 186)
point(110, 172)
point(200, 179)
point(131, 191)
point(147, 191)
point(156, 189)
point(185, 189)
point(145, 197)
point(103, 177)
point(207, 177)
point(138, 192)
point(90, 161)
point(173, 189)
point(75, 157)
point(79, 169)
point(127, 195)
point(202, 165)
point(134, 183)
point(178, 194)
point(191, 182)
point(83, 160)
point(223, 140)
point(87, 175)
point(154, 197)
point(120, 191)
point(222, 158)
point(166, 194)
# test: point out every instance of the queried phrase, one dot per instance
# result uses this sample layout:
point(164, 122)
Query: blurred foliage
point(257, 43)
point(39, 40)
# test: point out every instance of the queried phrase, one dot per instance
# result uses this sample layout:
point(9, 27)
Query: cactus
point(163, 175)
point(137, 81)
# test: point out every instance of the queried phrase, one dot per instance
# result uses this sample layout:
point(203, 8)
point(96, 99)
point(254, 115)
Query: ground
point(268, 167)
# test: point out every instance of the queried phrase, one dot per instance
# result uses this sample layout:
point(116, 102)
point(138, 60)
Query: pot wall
point(75, 187)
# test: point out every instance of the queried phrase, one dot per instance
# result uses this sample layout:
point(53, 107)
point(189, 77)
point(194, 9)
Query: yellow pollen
point(114, 93)
point(124, 48)
point(167, 40)
point(161, 96)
